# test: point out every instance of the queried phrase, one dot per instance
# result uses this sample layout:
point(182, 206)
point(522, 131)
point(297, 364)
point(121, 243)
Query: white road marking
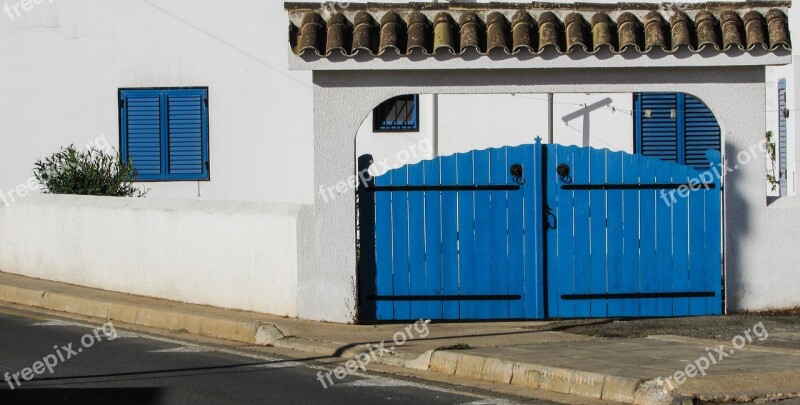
point(184, 349)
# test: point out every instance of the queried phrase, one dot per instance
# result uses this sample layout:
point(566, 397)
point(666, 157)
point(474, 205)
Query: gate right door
point(630, 236)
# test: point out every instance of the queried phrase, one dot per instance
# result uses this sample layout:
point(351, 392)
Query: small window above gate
point(399, 114)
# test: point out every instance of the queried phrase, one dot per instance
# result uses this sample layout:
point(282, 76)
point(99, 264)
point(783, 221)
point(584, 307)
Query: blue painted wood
point(553, 201)
point(598, 283)
point(648, 268)
point(165, 133)
point(582, 219)
point(616, 272)
point(384, 281)
point(483, 235)
point(535, 299)
point(400, 262)
point(697, 255)
point(492, 242)
point(664, 254)
point(466, 235)
point(498, 240)
point(631, 266)
point(680, 241)
point(450, 270)
point(433, 240)
point(416, 241)
point(563, 237)
point(516, 239)
point(713, 250)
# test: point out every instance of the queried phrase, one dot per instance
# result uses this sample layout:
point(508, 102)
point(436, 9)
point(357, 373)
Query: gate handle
point(563, 173)
point(548, 213)
point(518, 173)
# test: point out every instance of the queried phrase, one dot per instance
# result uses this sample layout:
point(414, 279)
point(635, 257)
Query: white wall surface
point(64, 61)
point(760, 257)
point(478, 121)
point(226, 254)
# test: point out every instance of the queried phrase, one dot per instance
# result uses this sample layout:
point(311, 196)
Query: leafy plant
point(87, 172)
point(771, 154)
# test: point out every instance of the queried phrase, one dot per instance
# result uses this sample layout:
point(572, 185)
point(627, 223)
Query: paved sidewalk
point(527, 354)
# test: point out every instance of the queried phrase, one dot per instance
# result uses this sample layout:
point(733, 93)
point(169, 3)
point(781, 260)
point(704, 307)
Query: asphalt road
point(112, 366)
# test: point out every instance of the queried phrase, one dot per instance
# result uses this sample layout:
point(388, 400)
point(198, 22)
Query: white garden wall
point(226, 254)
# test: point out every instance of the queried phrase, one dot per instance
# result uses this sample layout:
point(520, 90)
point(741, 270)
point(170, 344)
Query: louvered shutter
point(701, 132)
point(657, 125)
point(165, 133)
point(142, 131)
point(782, 160)
point(676, 127)
point(187, 135)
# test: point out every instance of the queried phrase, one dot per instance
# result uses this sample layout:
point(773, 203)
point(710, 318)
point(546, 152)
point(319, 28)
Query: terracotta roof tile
point(512, 28)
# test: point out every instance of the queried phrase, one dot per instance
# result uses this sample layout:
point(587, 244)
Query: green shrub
point(87, 172)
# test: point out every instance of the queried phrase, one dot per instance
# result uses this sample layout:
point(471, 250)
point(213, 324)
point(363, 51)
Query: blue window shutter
point(676, 127)
point(702, 132)
point(187, 116)
point(657, 125)
point(142, 131)
point(164, 132)
point(782, 160)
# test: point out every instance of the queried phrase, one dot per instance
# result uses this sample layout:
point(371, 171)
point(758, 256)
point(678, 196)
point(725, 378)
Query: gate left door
point(456, 237)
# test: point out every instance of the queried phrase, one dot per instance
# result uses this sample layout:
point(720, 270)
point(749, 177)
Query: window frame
point(165, 175)
point(381, 127)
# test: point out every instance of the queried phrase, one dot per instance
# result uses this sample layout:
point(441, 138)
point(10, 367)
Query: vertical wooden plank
point(400, 244)
point(466, 234)
point(697, 255)
point(450, 269)
point(498, 223)
point(647, 236)
point(483, 235)
point(580, 174)
point(532, 235)
point(516, 238)
point(567, 259)
point(538, 299)
point(433, 239)
point(554, 227)
point(598, 283)
point(616, 272)
point(384, 283)
point(664, 223)
point(416, 241)
point(630, 235)
point(680, 241)
point(713, 250)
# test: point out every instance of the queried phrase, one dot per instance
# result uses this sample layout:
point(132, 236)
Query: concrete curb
point(553, 379)
point(462, 364)
point(239, 330)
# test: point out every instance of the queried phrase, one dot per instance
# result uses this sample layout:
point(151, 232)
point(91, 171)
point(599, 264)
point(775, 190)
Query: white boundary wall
point(231, 255)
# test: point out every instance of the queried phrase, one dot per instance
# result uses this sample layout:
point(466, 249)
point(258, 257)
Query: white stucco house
point(244, 130)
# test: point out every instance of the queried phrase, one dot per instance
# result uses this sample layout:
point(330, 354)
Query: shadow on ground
point(83, 396)
point(783, 328)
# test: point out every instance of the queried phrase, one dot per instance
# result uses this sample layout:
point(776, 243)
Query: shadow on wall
point(736, 208)
point(586, 113)
point(365, 256)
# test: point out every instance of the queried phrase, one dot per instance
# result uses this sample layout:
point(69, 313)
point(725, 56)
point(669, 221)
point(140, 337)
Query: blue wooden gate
point(540, 231)
point(631, 236)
